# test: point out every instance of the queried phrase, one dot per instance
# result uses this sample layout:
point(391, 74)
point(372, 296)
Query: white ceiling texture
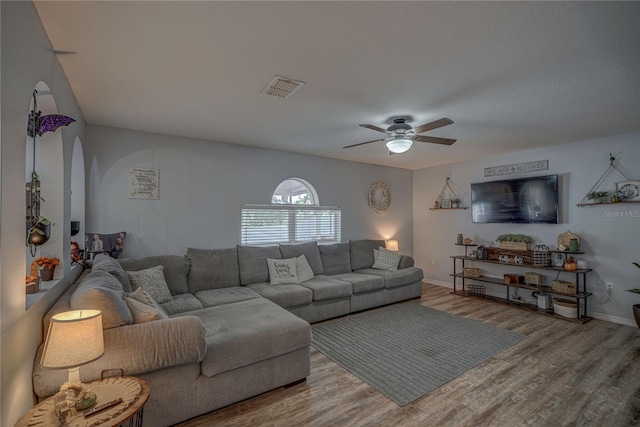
point(511, 75)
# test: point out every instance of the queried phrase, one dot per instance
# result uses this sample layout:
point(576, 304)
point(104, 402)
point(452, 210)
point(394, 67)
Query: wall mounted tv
point(524, 200)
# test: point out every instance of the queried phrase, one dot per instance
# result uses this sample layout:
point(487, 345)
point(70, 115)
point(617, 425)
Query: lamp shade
point(399, 145)
point(74, 338)
point(392, 245)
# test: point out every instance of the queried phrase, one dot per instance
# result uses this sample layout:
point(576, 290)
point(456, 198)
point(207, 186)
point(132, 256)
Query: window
point(294, 216)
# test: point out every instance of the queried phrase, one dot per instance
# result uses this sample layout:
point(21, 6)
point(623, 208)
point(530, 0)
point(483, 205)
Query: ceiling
point(511, 75)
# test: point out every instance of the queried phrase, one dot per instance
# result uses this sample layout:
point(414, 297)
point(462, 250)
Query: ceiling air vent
point(282, 87)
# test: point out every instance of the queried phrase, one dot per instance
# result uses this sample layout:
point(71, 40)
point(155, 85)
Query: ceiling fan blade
point(362, 143)
point(376, 128)
point(434, 140)
point(433, 125)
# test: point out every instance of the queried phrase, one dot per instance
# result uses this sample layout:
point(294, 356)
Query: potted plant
point(47, 266)
point(597, 196)
point(516, 242)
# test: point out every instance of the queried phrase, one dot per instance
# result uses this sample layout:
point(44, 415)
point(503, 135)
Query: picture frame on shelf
point(558, 259)
point(446, 204)
point(628, 191)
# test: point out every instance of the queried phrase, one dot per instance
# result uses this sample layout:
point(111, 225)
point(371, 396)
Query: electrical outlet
point(609, 288)
point(433, 261)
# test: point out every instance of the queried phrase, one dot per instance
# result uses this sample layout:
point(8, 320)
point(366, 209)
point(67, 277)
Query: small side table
point(133, 391)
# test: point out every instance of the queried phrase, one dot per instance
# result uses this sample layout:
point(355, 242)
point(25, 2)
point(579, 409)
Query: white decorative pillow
point(143, 312)
point(303, 269)
point(384, 259)
point(282, 271)
point(152, 281)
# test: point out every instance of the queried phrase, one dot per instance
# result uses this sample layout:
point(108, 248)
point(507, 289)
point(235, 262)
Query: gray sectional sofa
point(225, 333)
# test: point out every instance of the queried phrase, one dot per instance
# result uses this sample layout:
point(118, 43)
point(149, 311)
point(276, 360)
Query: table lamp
point(392, 245)
point(74, 338)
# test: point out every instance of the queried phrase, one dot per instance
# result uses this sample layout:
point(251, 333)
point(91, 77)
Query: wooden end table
point(133, 391)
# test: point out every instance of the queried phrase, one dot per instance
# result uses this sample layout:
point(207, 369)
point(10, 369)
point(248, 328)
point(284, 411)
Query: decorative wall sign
point(380, 197)
point(144, 183)
point(539, 165)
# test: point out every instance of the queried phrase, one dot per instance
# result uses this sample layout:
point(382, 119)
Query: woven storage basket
point(564, 286)
point(565, 308)
point(471, 272)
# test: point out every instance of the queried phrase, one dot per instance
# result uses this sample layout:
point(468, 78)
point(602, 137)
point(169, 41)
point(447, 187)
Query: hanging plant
point(38, 233)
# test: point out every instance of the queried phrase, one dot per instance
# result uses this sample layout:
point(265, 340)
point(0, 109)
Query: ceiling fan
point(401, 134)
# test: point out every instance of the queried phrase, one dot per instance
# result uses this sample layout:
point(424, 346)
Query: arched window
point(294, 216)
point(295, 191)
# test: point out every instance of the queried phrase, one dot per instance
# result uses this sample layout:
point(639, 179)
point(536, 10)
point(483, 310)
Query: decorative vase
point(574, 245)
point(47, 273)
point(459, 239)
point(636, 313)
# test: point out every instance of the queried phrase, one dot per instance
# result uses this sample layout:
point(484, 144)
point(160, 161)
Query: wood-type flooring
point(562, 374)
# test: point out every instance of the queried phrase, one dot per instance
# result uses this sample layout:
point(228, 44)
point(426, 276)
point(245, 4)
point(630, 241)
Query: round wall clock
point(380, 197)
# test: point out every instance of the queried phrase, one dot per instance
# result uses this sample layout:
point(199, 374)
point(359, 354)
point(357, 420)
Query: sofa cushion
point(325, 287)
point(152, 281)
point(175, 271)
point(335, 258)
point(362, 283)
point(282, 271)
point(212, 269)
point(105, 263)
point(384, 259)
point(247, 332)
point(143, 307)
point(303, 269)
point(99, 290)
point(309, 250)
point(284, 295)
point(182, 303)
point(361, 252)
point(213, 297)
point(394, 279)
point(252, 261)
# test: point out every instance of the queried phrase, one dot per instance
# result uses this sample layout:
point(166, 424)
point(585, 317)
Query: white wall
point(610, 234)
point(203, 185)
point(27, 58)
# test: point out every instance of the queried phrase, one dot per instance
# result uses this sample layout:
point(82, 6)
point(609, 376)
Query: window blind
point(271, 224)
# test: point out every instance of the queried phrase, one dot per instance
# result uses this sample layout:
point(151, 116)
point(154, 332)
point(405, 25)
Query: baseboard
point(599, 316)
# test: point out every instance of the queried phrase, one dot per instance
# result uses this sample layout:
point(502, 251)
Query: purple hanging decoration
point(40, 124)
point(51, 122)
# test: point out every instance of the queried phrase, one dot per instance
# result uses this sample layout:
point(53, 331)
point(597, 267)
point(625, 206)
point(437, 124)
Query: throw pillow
point(152, 281)
point(303, 269)
point(282, 271)
point(110, 244)
point(143, 307)
point(384, 259)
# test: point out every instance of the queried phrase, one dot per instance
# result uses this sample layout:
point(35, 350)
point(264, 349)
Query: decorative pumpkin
point(570, 264)
point(565, 239)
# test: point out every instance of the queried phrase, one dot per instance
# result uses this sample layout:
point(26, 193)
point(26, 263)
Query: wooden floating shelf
point(521, 265)
point(498, 281)
point(446, 209)
point(582, 205)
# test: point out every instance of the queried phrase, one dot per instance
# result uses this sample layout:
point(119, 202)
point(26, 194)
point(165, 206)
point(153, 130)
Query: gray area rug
point(406, 350)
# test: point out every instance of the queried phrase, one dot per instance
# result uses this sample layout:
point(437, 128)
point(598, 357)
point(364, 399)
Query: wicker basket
point(564, 286)
point(471, 272)
point(476, 291)
point(541, 256)
point(515, 246)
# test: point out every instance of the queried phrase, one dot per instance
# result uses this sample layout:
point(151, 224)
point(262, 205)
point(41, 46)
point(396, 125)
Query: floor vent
point(282, 87)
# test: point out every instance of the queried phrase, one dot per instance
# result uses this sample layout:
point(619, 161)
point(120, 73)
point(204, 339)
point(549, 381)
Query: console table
point(580, 296)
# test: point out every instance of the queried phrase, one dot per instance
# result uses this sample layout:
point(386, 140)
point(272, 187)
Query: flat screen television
point(522, 200)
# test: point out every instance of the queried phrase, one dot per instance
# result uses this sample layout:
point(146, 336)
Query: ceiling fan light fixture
point(399, 145)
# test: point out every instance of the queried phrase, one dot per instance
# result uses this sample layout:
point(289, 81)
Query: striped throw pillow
point(384, 259)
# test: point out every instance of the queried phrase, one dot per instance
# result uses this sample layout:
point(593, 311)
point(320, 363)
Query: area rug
point(406, 350)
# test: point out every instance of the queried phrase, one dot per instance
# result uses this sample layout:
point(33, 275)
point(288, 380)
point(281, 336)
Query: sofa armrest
point(136, 349)
point(406, 261)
